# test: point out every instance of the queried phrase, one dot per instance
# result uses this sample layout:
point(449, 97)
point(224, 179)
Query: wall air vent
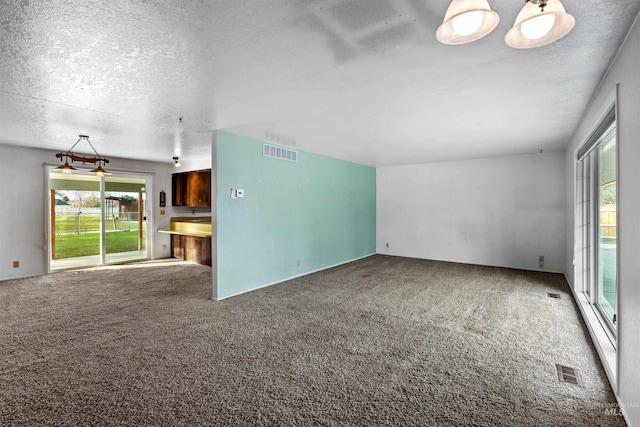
point(278, 152)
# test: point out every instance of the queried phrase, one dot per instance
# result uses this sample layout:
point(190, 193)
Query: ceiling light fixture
point(69, 155)
point(467, 21)
point(535, 28)
point(540, 22)
point(177, 162)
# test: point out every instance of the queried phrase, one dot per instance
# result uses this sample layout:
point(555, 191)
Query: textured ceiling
point(361, 80)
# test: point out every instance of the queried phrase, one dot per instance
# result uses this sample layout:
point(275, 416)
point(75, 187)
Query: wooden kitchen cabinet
point(191, 238)
point(192, 189)
point(190, 248)
point(177, 197)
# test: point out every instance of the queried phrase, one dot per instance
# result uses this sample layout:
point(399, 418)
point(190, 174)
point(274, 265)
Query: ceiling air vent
point(277, 152)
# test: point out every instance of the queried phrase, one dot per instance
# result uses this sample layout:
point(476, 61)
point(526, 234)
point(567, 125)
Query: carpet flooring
point(380, 341)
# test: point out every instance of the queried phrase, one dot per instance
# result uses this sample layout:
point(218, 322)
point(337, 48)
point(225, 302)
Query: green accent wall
point(295, 218)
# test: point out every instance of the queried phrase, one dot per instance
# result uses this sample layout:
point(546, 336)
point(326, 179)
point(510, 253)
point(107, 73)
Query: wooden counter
point(191, 238)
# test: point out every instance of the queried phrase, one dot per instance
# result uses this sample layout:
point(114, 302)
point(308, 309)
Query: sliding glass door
point(125, 220)
point(75, 220)
point(597, 218)
point(607, 230)
point(96, 220)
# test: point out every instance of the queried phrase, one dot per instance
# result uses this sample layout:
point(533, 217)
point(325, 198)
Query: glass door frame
point(50, 210)
point(597, 296)
point(142, 213)
point(588, 192)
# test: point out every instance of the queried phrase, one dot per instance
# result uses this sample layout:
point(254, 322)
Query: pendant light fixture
point(100, 171)
point(467, 21)
point(69, 155)
point(540, 22)
point(66, 168)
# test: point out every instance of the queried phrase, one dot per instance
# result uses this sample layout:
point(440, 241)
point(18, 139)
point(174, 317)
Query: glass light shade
point(467, 21)
point(537, 27)
point(530, 28)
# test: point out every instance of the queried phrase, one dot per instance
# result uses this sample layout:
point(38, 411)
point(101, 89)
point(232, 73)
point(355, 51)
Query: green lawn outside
point(85, 244)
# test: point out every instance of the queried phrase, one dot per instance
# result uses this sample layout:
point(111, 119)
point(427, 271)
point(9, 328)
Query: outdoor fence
point(607, 224)
point(89, 222)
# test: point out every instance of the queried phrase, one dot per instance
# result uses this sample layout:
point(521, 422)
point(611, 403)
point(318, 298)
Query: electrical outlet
point(16, 264)
point(387, 244)
point(541, 261)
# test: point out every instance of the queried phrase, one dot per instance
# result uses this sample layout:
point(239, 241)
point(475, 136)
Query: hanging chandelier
point(70, 155)
point(540, 22)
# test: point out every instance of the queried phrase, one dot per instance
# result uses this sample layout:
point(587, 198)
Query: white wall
point(504, 211)
point(624, 72)
point(23, 217)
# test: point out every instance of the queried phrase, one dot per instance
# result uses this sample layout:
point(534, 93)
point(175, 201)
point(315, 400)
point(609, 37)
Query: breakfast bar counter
point(191, 238)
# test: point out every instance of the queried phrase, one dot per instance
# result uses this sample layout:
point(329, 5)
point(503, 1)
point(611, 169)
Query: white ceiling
point(360, 80)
